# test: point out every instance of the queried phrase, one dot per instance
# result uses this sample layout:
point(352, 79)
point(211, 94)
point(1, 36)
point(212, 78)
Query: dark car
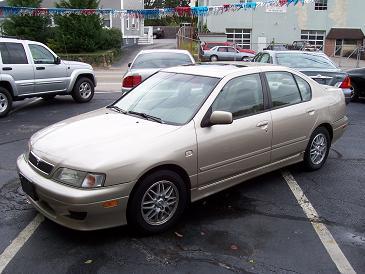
point(357, 77)
point(277, 47)
point(158, 33)
point(316, 65)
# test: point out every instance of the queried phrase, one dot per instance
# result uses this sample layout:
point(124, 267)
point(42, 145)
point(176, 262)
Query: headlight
point(79, 178)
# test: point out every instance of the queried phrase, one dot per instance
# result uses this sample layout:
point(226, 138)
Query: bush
point(110, 39)
point(97, 59)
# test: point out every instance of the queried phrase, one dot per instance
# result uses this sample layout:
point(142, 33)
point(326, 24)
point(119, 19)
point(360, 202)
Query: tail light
point(132, 81)
point(346, 84)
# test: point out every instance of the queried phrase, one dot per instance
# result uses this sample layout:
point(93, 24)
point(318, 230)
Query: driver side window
point(241, 96)
point(41, 55)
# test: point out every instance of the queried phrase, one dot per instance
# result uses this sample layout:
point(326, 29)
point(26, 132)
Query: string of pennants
point(151, 13)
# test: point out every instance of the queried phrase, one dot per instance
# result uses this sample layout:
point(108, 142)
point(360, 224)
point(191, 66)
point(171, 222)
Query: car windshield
point(160, 60)
point(172, 98)
point(304, 60)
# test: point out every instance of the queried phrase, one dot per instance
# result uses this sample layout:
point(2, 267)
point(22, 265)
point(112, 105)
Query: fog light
point(109, 204)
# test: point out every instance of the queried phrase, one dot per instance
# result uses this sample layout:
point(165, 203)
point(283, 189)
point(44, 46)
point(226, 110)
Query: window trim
point(300, 94)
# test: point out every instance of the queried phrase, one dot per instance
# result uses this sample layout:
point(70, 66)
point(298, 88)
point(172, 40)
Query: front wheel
point(245, 59)
point(214, 58)
point(317, 150)
point(6, 102)
point(83, 90)
point(157, 202)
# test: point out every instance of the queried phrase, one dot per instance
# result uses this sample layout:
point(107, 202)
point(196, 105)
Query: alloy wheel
point(318, 149)
point(3, 102)
point(85, 90)
point(160, 202)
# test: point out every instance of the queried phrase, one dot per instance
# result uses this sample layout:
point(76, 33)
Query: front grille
point(40, 164)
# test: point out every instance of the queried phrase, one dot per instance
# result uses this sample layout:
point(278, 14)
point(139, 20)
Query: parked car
point(277, 47)
point(225, 53)
point(31, 69)
point(158, 33)
point(357, 77)
point(302, 45)
point(183, 134)
point(148, 62)
point(316, 65)
point(210, 45)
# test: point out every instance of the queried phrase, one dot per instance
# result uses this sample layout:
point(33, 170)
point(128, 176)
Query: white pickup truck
point(31, 69)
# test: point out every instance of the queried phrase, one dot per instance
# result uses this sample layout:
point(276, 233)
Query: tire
point(154, 218)
point(320, 142)
point(355, 94)
point(245, 59)
point(48, 97)
point(83, 90)
point(6, 102)
point(214, 58)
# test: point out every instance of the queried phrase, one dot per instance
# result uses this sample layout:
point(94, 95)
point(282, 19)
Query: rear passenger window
point(304, 88)
point(283, 89)
point(241, 96)
point(13, 53)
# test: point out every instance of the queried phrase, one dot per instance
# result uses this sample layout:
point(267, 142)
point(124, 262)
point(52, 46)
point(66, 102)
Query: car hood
point(75, 64)
point(93, 139)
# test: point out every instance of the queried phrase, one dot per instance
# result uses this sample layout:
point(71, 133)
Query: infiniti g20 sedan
point(183, 134)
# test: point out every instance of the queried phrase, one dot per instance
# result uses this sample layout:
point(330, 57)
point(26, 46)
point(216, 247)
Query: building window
point(320, 5)
point(241, 37)
point(127, 23)
point(314, 37)
point(107, 21)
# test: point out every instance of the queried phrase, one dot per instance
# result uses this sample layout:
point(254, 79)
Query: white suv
point(31, 69)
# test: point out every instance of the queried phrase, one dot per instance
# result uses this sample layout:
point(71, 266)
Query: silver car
point(183, 134)
point(225, 53)
point(31, 69)
point(148, 62)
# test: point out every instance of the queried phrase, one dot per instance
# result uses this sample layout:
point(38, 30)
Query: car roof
point(219, 69)
point(164, 50)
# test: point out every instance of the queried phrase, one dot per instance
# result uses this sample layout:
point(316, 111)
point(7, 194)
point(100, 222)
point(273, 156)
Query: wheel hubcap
point(85, 90)
point(3, 102)
point(318, 149)
point(160, 202)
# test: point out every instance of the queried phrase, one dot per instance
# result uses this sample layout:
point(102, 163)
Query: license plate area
point(28, 187)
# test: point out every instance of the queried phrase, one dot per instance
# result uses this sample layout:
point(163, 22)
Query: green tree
point(27, 26)
point(78, 33)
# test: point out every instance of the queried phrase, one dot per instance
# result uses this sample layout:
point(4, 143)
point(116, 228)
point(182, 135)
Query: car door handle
point(264, 125)
point(7, 68)
point(40, 68)
point(311, 111)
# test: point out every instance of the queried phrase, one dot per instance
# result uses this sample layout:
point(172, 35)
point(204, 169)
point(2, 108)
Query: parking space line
point(323, 233)
point(10, 252)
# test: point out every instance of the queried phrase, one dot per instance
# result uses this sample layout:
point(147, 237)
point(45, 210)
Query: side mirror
point(57, 60)
point(129, 65)
point(221, 118)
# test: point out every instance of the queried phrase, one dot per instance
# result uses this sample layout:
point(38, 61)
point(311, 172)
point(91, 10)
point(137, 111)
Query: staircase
point(145, 40)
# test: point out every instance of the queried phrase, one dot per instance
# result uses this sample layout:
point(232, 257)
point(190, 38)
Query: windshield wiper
point(147, 116)
point(117, 109)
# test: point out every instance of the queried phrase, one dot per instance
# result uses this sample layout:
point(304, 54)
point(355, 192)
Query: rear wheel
point(6, 102)
point(83, 90)
point(317, 150)
point(157, 202)
point(214, 58)
point(245, 59)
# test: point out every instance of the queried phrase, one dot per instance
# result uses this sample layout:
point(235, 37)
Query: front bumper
point(79, 209)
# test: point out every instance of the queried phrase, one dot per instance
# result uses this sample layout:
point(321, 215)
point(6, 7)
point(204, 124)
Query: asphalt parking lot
point(256, 227)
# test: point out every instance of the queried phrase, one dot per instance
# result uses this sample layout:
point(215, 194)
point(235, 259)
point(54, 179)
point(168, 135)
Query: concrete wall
point(286, 27)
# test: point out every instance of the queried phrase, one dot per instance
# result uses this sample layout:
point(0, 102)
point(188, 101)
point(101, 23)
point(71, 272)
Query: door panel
point(15, 63)
point(226, 150)
point(48, 75)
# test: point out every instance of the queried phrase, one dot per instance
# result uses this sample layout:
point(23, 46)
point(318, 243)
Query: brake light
point(132, 81)
point(346, 84)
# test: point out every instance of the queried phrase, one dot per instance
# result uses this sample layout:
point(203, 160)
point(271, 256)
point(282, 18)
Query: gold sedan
point(183, 134)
